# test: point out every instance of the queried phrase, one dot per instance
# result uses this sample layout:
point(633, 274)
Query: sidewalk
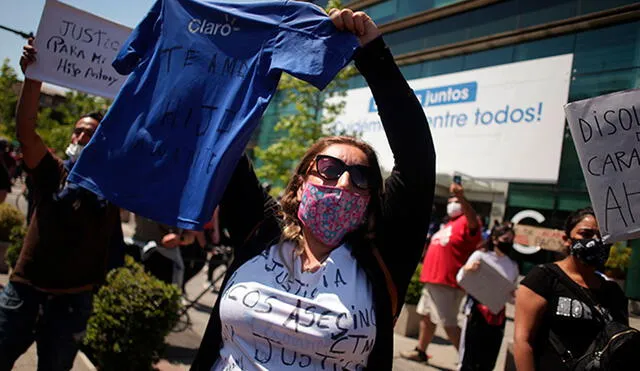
point(182, 346)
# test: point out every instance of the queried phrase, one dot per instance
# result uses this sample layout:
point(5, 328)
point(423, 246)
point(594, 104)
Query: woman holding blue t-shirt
point(317, 283)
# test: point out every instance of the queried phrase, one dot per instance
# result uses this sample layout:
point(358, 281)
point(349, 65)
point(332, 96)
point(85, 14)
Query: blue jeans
point(55, 322)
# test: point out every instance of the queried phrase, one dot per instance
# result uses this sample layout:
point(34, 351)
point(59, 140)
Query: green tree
point(9, 84)
point(55, 124)
point(312, 117)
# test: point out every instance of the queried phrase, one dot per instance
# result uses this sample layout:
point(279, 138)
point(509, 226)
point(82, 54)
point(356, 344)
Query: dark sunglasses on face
point(331, 168)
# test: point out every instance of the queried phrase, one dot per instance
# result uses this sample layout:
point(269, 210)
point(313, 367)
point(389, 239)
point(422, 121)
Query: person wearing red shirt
point(448, 251)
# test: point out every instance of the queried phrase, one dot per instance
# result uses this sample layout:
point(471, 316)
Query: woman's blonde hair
point(292, 231)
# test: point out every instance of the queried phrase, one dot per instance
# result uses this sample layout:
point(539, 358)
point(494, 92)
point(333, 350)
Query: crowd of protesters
point(340, 241)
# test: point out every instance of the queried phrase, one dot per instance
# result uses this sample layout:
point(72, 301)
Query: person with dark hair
point(72, 239)
point(315, 284)
point(549, 309)
point(483, 330)
point(82, 132)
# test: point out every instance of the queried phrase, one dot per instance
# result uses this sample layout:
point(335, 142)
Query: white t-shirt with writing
point(276, 317)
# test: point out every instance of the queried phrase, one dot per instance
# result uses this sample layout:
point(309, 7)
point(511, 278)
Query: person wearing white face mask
point(74, 237)
point(448, 251)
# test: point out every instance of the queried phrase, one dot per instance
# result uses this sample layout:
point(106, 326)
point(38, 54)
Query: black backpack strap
point(577, 290)
point(565, 354)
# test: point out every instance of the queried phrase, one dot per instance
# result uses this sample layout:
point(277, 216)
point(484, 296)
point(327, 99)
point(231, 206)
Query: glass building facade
point(603, 36)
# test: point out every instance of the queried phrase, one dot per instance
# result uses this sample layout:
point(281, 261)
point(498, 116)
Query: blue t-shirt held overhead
point(202, 74)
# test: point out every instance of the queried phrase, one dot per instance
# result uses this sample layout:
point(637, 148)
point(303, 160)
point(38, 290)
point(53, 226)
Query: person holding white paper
point(73, 239)
point(483, 330)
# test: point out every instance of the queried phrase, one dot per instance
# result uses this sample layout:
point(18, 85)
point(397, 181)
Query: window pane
point(412, 71)
point(543, 11)
point(392, 10)
point(444, 31)
point(492, 19)
point(383, 12)
point(406, 41)
point(590, 6)
point(356, 82)
point(504, 16)
point(587, 86)
point(544, 48)
point(607, 49)
point(488, 58)
point(443, 66)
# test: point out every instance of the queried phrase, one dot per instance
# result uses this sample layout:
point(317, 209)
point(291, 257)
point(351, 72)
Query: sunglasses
point(331, 168)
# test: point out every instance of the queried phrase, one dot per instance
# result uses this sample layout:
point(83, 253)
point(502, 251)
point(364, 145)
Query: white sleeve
point(477, 255)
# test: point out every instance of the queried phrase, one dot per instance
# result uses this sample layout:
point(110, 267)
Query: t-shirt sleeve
point(539, 281)
point(47, 175)
point(308, 46)
point(140, 42)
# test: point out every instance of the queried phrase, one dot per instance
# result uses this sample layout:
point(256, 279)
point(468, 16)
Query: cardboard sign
point(75, 50)
point(544, 238)
point(606, 133)
point(488, 286)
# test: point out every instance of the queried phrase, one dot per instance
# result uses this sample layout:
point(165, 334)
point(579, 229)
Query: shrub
point(414, 291)
point(16, 238)
point(132, 314)
point(10, 217)
point(618, 262)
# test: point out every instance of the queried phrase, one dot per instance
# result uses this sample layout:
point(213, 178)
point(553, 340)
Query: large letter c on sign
point(524, 214)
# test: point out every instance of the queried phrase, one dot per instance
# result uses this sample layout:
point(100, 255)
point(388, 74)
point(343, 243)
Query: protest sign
point(544, 238)
point(75, 50)
point(606, 133)
point(488, 286)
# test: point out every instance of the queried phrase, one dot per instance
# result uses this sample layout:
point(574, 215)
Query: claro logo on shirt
point(207, 27)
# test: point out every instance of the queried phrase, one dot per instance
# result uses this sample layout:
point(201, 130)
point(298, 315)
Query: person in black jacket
point(314, 283)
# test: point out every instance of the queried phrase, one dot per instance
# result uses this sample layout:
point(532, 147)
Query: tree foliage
point(309, 116)
point(8, 98)
point(55, 124)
